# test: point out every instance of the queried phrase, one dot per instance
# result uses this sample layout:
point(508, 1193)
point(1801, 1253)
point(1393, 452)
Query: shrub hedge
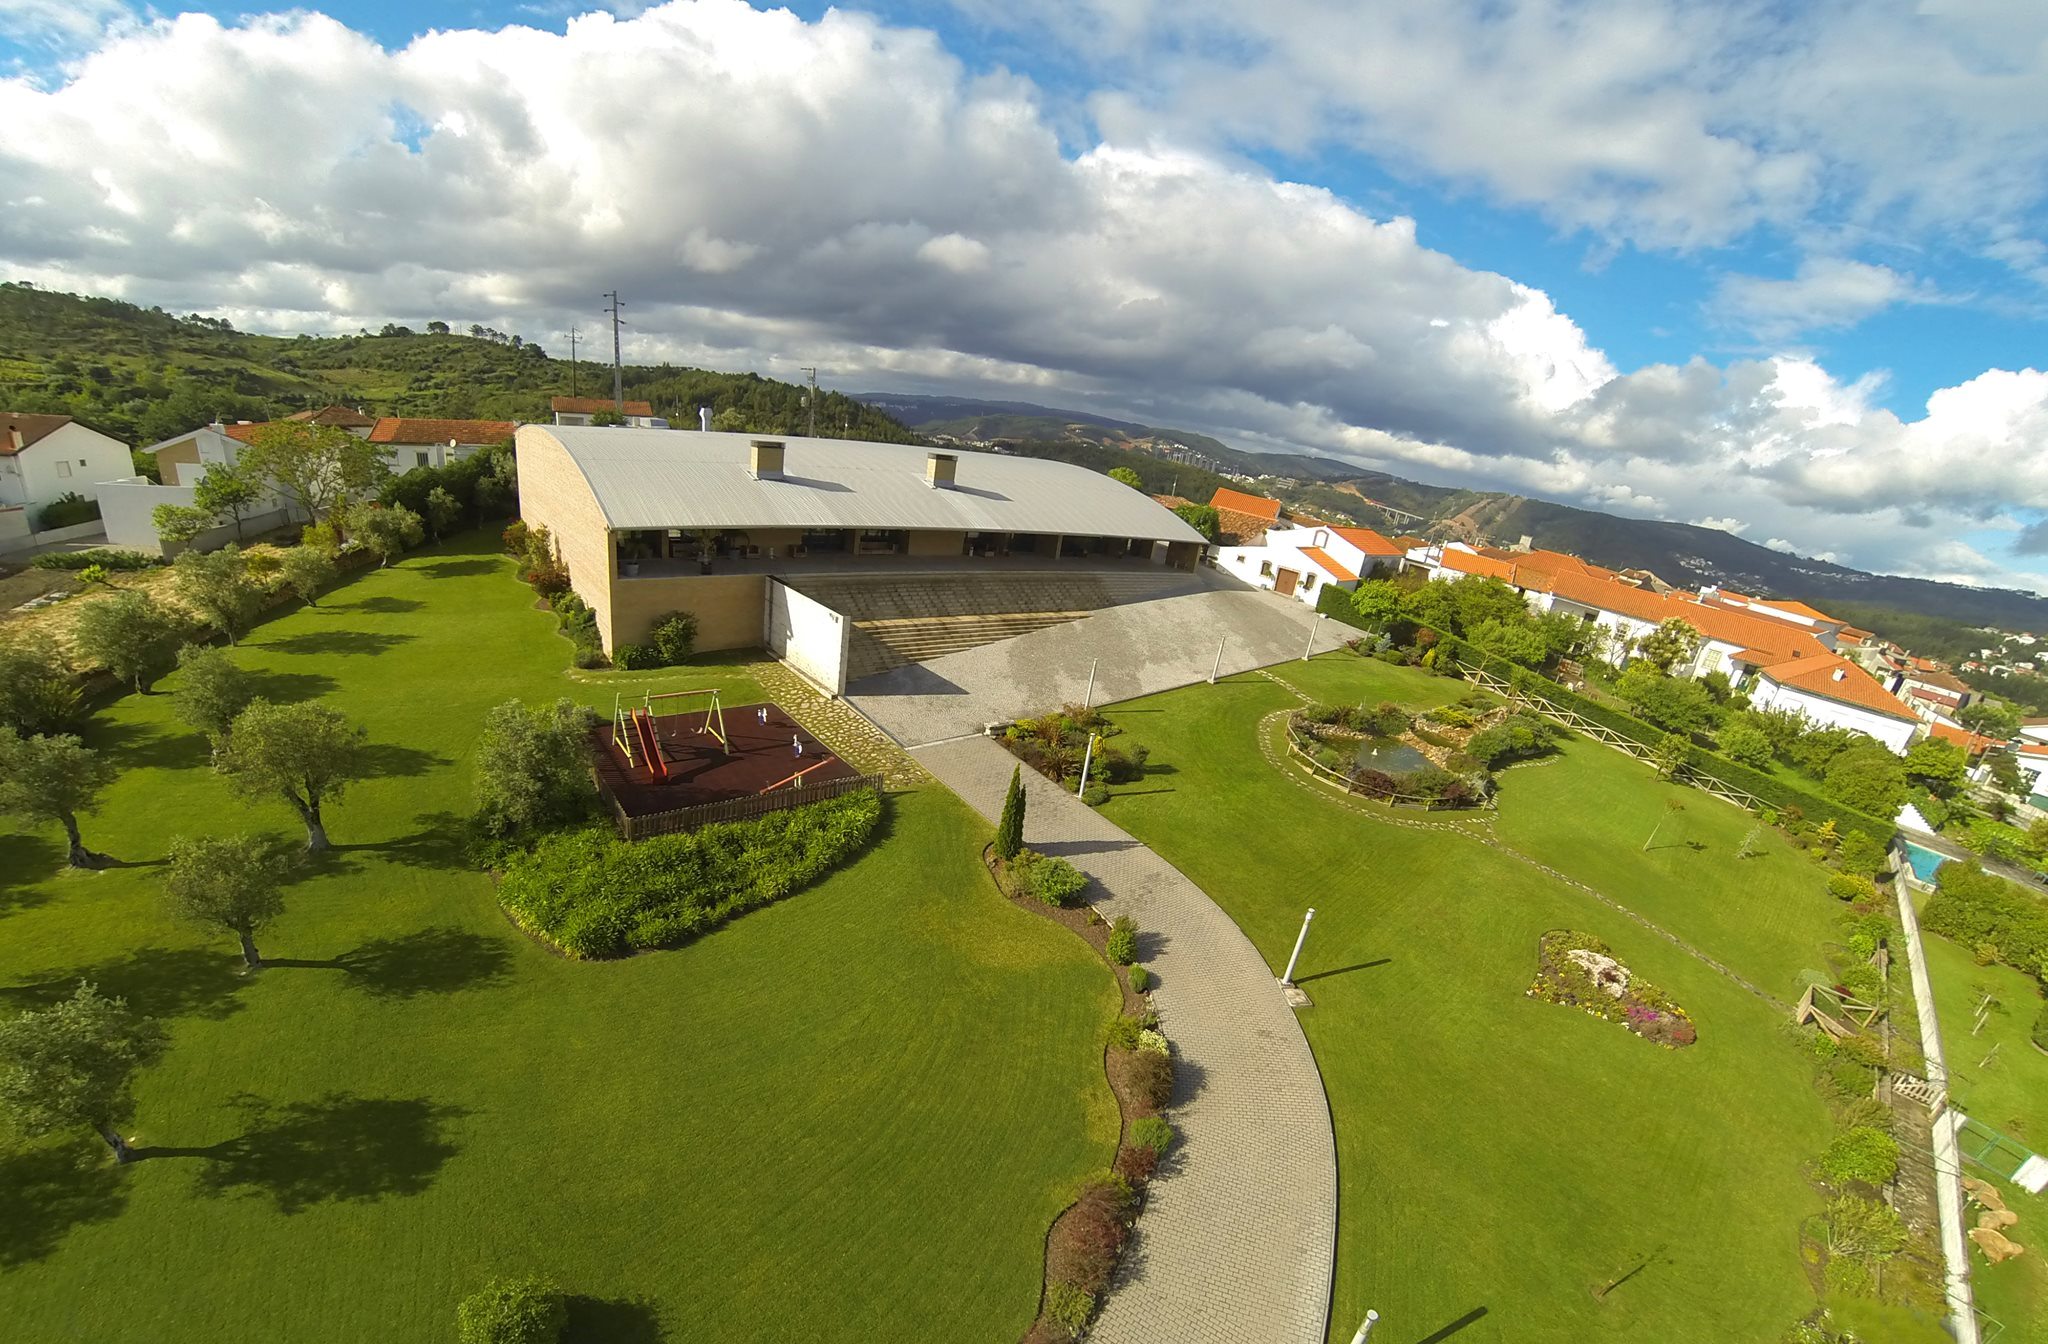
point(107, 557)
point(1048, 877)
point(66, 510)
point(1768, 789)
point(1976, 908)
point(594, 895)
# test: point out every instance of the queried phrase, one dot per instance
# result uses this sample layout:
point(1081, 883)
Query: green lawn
point(1997, 1076)
point(848, 1116)
point(1496, 1153)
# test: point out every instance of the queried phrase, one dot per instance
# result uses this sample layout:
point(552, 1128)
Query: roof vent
point(767, 459)
point(939, 470)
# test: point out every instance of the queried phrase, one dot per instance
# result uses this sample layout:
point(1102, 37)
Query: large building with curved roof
point(649, 521)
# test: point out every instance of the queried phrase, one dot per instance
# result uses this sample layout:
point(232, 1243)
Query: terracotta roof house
point(1299, 559)
point(1973, 744)
point(1242, 519)
point(46, 457)
point(580, 410)
point(435, 443)
point(338, 417)
point(1834, 691)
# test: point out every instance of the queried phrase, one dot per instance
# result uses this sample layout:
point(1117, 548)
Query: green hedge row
point(1771, 790)
point(1335, 603)
point(594, 895)
point(1974, 907)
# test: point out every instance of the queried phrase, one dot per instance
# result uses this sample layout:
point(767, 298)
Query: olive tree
point(37, 693)
point(216, 584)
point(226, 883)
point(444, 511)
point(1125, 476)
point(73, 1064)
point(53, 779)
point(307, 569)
point(210, 691)
point(131, 636)
point(306, 754)
point(533, 766)
point(386, 529)
point(321, 469)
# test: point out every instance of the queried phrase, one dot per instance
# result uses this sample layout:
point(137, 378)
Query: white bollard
point(1086, 757)
point(1310, 647)
point(1300, 938)
point(1088, 700)
point(1218, 667)
point(1365, 1330)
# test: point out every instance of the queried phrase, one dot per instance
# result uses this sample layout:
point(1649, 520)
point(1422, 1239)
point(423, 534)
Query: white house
point(1832, 691)
point(2033, 762)
point(2034, 730)
point(436, 443)
point(1299, 561)
point(45, 457)
point(579, 410)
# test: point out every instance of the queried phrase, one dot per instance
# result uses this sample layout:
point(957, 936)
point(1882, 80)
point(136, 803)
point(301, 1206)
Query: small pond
point(1389, 756)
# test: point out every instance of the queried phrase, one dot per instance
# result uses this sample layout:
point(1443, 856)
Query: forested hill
point(142, 375)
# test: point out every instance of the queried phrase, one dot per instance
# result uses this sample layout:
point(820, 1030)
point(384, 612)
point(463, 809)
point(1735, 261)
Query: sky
point(1771, 267)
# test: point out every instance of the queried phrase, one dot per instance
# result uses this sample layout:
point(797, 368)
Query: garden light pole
point(1219, 662)
point(1310, 647)
point(1300, 938)
point(1086, 757)
point(1088, 699)
point(1365, 1330)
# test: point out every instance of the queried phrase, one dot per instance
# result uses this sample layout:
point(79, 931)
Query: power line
point(573, 334)
point(618, 368)
point(812, 400)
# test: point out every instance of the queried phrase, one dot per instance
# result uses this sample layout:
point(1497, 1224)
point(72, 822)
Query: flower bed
point(1580, 971)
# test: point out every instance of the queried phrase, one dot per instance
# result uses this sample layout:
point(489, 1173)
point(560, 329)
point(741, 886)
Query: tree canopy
point(130, 635)
point(306, 754)
point(216, 584)
point(385, 529)
point(37, 693)
point(1868, 778)
point(227, 883)
point(321, 469)
point(53, 779)
point(73, 1064)
point(533, 766)
point(210, 691)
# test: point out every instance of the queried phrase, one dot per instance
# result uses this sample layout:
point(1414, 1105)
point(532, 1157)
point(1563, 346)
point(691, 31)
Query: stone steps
point(881, 645)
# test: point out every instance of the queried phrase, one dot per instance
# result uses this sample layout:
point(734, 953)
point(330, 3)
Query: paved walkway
point(1138, 649)
point(1239, 1235)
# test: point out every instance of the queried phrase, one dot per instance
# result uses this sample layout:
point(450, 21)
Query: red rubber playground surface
point(702, 771)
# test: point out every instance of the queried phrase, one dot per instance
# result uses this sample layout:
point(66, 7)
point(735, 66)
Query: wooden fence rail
point(1346, 783)
point(1600, 732)
point(733, 809)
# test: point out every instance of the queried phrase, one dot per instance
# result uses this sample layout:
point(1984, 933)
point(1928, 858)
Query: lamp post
point(1310, 647)
point(1218, 667)
point(1086, 757)
point(1299, 939)
point(1088, 700)
point(1365, 1329)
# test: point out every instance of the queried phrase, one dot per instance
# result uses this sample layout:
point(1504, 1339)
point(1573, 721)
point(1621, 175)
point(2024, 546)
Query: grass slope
point(2007, 1090)
point(1497, 1155)
point(847, 1116)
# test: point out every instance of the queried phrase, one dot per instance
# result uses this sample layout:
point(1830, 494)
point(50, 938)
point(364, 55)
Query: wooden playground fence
point(731, 809)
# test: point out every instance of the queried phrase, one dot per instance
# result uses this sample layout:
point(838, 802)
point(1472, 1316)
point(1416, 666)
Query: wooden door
point(1284, 581)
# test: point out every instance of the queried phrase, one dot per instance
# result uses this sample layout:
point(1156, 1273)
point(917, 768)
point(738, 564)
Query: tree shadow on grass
point(290, 688)
point(432, 961)
point(391, 758)
point(340, 1149)
point(160, 982)
point(46, 1192)
point(455, 569)
point(136, 745)
point(440, 842)
point(594, 1320)
point(25, 860)
point(385, 606)
point(338, 641)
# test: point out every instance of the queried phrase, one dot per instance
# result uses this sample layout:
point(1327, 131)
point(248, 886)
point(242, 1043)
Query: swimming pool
point(1924, 861)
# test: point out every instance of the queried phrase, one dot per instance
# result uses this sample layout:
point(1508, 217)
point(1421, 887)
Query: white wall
point(1897, 734)
point(808, 635)
point(70, 460)
point(127, 507)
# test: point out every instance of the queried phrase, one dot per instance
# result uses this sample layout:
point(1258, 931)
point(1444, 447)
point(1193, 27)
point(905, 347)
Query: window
point(1308, 583)
point(1265, 569)
point(420, 458)
point(63, 468)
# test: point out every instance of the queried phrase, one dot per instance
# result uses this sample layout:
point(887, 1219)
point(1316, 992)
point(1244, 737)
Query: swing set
point(637, 732)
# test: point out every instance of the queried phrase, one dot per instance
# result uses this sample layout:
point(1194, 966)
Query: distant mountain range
point(1679, 553)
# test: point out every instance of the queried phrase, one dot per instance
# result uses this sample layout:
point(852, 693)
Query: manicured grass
point(1497, 1155)
point(850, 1115)
point(2007, 1090)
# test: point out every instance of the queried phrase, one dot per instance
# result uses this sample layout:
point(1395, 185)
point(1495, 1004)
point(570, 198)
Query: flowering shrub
point(1580, 971)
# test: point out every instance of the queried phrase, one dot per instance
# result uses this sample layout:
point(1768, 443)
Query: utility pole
point(812, 400)
point(573, 336)
point(618, 368)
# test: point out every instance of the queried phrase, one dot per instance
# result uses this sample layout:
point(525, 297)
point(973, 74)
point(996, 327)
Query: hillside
point(142, 374)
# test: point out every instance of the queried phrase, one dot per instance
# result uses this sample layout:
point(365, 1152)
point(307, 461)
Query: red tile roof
point(392, 429)
point(1973, 743)
point(592, 405)
point(1796, 608)
point(245, 432)
point(1371, 542)
point(2034, 749)
point(1316, 556)
point(341, 417)
point(1236, 501)
point(1834, 678)
point(30, 427)
point(1940, 680)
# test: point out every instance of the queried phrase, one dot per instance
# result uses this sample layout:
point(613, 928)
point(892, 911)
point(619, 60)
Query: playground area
point(686, 749)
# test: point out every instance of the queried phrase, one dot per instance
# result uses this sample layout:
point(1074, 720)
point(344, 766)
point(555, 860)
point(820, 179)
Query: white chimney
point(767, 459)
point(14, 433)
point(1841, 674)
point(704, 418)
point(939, 469)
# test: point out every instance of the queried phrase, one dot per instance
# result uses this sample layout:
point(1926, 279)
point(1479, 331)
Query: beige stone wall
point(729, 608)
point(553, 494)
point(937, 543)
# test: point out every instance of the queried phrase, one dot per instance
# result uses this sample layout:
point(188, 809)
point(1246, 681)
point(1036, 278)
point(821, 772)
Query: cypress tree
point(1010, 830)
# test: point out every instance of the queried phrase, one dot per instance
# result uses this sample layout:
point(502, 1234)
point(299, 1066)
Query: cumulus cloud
point(1825, 293)
point(771, 192)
